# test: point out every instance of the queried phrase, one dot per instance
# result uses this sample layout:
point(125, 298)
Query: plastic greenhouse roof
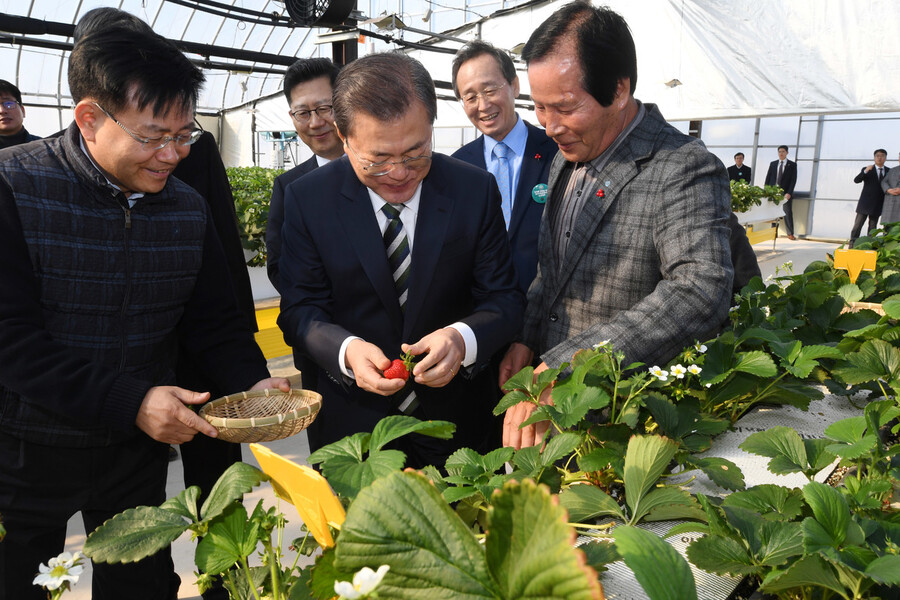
point(40, 72)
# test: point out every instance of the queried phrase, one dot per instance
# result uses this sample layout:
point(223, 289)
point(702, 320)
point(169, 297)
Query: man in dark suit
point(634, 240)
point(447, 293)
point(307, 86)
point(739, 171)
point(485, 81)
point(783, 173)
point(871, 199)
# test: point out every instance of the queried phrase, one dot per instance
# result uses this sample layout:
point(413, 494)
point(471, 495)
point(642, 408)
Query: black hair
point(601, 40)
point(882, 150)
point(741, 154)
point(383, 85)
point(8, 88)
point(474, 50)
point(119, 67)
point(307, 69)
point(106, 17)
point(786, 149)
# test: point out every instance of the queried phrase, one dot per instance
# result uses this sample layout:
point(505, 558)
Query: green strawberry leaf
point(586, 502)
point(783, 445)
point(237, 480)
point(721, 471)
point(348, 476)
point(810, 570)
point(756, 363)
point(529, 547)
point(772, 502)
point(392, 427)
point(661, 571)
point(722, 556)
point(229, 540)
point(134, 534)
point(184, 504)
point(646, 459)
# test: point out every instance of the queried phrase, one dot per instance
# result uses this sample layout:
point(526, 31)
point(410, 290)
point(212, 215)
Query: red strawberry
point(400, 367)
point(397, 370)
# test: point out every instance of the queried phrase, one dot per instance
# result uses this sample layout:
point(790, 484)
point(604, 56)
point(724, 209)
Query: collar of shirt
point(321, 160)
point(407, 215)
point(515, 140)
point(132, 199)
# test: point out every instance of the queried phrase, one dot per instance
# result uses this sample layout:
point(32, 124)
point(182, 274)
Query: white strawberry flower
point(701, 348)
point(364, 583)
point(659, 373)
point(694, 370)
point(678, 371)
point(60, 572)
point(601, 344)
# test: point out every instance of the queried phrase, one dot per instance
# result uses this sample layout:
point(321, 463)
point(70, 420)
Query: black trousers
point(858, 224)
point(788, 208)
point(41, 487)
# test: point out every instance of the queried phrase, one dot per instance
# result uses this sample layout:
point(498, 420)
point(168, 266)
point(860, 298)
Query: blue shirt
point(515, 140)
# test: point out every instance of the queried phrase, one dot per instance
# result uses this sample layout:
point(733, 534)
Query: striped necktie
point(396, 245)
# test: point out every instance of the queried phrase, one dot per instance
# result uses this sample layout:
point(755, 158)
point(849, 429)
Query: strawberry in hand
point(400, 367)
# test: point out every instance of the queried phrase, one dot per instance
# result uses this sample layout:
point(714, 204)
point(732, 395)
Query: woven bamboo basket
point(858, 306)
point(263, 415)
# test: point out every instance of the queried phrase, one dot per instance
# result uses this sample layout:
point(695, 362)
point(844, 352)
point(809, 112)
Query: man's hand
point(368, 363)
point(894, 191)
point(446, 350)
point(518, 414)
point(869, 168)
point(273, 383)
point(517, 357)
point(164, 416)
point(787, 197)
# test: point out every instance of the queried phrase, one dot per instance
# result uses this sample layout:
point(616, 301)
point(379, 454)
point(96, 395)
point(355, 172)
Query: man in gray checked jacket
point(634, 241)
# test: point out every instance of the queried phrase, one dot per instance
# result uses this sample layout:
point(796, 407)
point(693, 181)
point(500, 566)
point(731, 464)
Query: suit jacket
point(525, 222)
point(742, 174)
point(871, 199)
point(891, 212)
point(336, 283)
point(276, 217)
point(788, 177)
point(648, 265)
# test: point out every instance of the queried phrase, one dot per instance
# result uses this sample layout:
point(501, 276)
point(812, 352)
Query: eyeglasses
point(302, 116)
point(488, 94)
point(9, 104)
point(383, 168)
point(158, 143)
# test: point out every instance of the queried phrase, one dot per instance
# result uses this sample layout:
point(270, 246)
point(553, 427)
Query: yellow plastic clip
point(307, 490)
point(855, 261)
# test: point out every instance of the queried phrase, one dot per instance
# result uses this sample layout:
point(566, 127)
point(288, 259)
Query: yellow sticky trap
point(306, 489)
point(855, 261)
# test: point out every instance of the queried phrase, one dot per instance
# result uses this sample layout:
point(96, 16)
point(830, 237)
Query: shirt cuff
point(342, 353)
point(470, 342)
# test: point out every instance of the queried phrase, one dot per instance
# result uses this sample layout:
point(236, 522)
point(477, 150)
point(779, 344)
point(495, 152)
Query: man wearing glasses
point(12, 117)
point(108, 263)
point(307, 86)
point(517, 153)
point(396, 248)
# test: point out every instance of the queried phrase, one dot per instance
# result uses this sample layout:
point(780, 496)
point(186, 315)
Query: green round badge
point(539, 193)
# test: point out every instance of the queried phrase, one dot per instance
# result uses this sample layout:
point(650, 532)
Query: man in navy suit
point(307, 86)
point(448, 293)
point(485, 81)
point(783, 173)
point(871, 199)
point(739, 171)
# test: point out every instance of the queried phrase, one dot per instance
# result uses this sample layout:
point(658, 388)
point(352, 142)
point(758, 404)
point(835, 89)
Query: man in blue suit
point(485, 81)
point(396, 248)
point(307, 86)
